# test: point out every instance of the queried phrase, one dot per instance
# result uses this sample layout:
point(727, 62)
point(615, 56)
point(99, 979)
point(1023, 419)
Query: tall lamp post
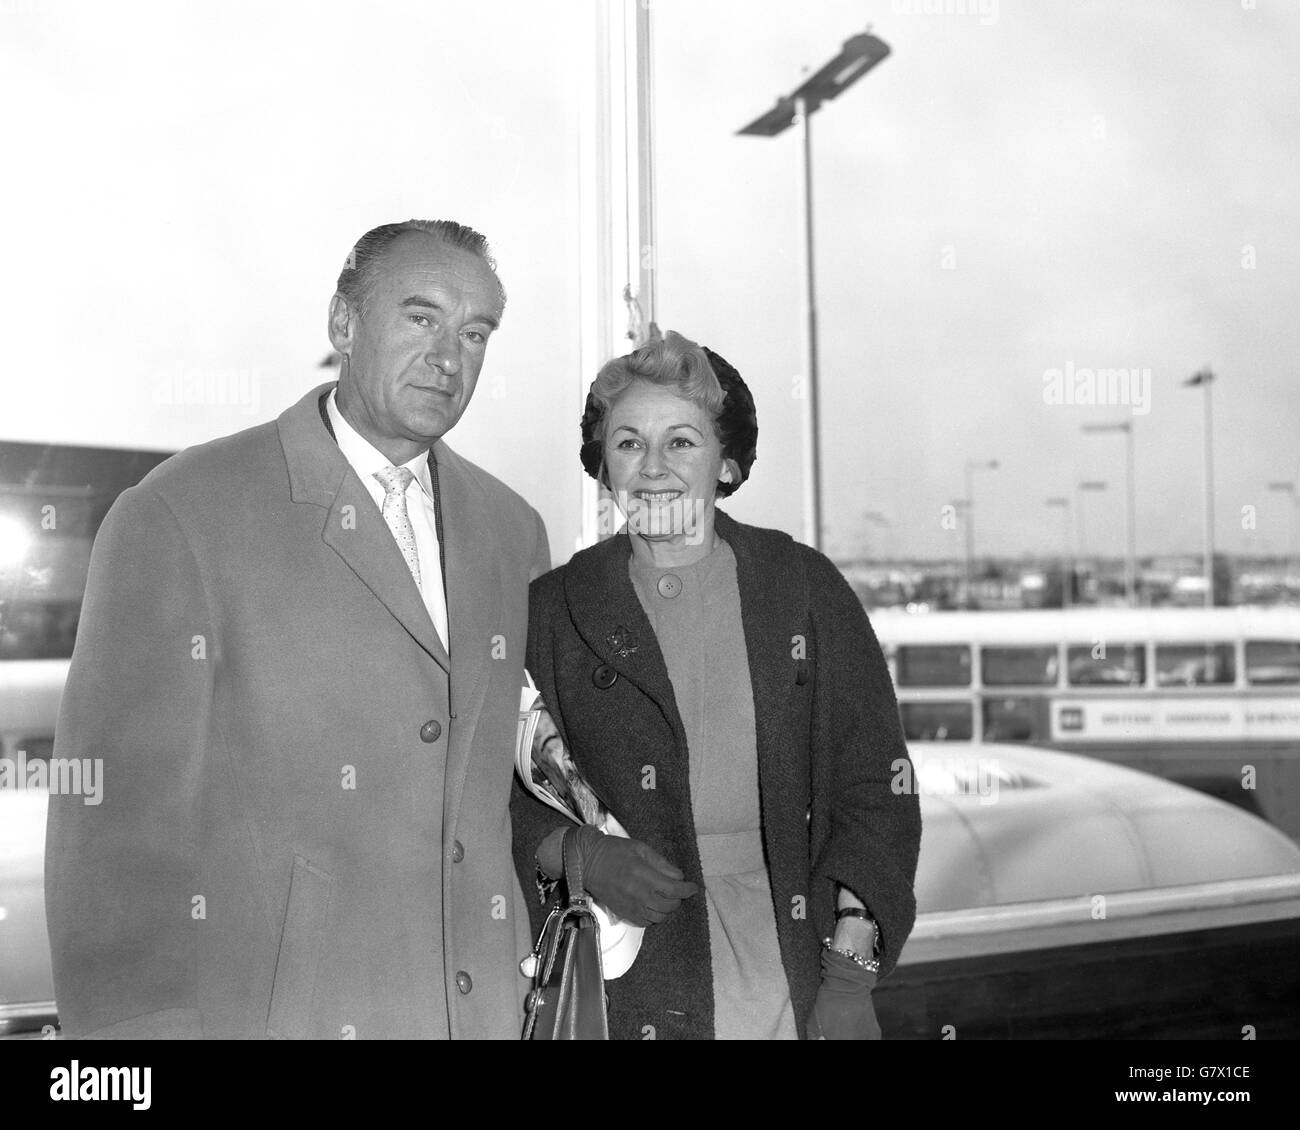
point(1204, 379)
point(875, 518)
point(1288, 487)
point(1067, 561)
point(1130, 506)
point(858, 55)
point(1080, 490)
point(973, 465)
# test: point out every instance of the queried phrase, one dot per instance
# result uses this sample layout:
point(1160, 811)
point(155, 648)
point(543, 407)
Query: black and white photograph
point(651, 520)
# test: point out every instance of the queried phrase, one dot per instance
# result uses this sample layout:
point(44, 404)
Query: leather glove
point(628, 877)
point(843, 1010)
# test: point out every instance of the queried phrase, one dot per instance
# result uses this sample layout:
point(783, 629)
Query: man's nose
point(444, 354)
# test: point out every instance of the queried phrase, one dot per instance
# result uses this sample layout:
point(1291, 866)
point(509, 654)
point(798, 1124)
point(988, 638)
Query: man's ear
point(342, 324)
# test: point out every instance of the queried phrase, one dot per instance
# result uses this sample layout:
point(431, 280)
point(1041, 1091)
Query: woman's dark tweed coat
point(829, 741)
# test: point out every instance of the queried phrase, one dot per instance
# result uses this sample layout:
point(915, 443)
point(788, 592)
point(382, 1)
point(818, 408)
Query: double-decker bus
point(1206, 697)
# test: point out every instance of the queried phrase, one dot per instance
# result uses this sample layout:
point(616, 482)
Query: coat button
point(604, 676)
point(431, 731)
point(457, 852)
point(463, 982)
point(670, 585)
point(801, 672)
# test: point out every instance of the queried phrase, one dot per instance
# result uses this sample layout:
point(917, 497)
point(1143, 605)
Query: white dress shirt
point(366, 460)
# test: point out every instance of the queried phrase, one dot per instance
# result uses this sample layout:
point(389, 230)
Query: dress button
point(431, 731)
point(670, 584)
point(604, 676)
point(457, 852)
point(463, 982)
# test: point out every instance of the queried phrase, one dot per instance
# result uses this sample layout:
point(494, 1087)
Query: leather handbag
point(567, 1001)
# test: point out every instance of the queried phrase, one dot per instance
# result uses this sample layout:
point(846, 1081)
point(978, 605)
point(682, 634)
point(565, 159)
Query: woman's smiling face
point(664, 461)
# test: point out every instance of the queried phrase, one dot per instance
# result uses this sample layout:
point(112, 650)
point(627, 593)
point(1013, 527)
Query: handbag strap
point(572, 860)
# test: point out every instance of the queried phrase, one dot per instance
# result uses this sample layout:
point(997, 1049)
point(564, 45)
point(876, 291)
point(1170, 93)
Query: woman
point(719, 687)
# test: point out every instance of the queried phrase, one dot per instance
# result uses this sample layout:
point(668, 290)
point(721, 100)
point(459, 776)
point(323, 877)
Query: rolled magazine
point(547, 770)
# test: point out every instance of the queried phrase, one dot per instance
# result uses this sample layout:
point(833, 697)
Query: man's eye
point(419, 319)
point(476, 336)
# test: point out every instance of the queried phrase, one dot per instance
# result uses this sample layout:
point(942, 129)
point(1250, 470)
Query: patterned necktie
point(395, 480)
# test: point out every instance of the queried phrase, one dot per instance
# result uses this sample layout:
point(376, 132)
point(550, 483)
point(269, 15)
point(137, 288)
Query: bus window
point(936, 721)
point(1018, 666)
point(1107, 665)
point(946, 665)
point(1017, 718)
point(1194, 665)
point(1273, 662)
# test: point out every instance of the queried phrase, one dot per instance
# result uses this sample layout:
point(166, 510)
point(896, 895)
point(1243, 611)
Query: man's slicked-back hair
point(357, 279)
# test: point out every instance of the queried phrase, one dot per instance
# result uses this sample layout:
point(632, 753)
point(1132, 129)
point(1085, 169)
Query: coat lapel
point(354, 528)
point(474, 587)
point(609, 617)
point(773, 604)
point(773, 601)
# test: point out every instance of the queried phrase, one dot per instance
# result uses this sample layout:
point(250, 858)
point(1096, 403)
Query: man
point(300, 657)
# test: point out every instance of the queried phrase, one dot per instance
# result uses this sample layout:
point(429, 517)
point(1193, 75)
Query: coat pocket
point(298, 961)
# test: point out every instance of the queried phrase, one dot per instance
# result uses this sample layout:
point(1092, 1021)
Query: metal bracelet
point(859, 912)
point(870, 964)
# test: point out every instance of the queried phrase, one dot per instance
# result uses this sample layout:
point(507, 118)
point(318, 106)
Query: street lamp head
point(1057, 501)
point(1202, 377)
point(777, 120)
point(858, 55)
point(1093, 485)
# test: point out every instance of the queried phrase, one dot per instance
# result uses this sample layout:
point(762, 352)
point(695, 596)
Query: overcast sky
point(1025, 188)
